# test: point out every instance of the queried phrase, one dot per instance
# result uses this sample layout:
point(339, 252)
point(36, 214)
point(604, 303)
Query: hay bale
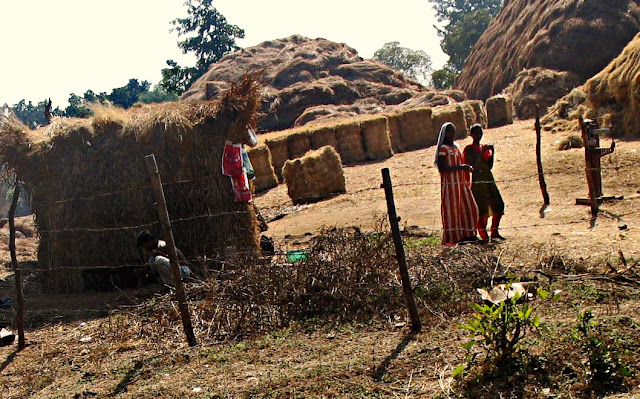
point(316, 176)
point(395, 134)
point(499, 111)
point(375, 135)
point(265, 176)
point(450, 113)
point(299, 143)
point(469, 114)
point(350, 143)
point(323, 136)
point(416, 128)
point(279, 149)
point(480, 112)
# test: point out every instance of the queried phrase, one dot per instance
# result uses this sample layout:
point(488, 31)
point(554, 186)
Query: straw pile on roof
point(577, 36)
point(316, 176)
point(539, 86)
point(611, 96)
point(499, 111)
point(90, 189)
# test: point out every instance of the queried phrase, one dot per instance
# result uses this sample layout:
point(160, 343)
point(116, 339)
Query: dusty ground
point(79, 347)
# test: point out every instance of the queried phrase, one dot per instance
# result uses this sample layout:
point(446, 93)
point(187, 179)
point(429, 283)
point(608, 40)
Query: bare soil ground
point(121, 345)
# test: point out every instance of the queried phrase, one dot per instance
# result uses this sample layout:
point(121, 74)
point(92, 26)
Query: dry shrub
point(450, 113)
point(375, 135)
point(415, 128)
point(351, 146)
point(499, 111)
point(266, 178)
point(315, 176)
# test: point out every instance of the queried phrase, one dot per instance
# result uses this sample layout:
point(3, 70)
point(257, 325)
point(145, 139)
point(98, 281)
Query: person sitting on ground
point(159, 259)
point(484, 188)
point(459, 209)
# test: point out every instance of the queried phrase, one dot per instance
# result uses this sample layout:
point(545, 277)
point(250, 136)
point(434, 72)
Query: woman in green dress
point(484, 188)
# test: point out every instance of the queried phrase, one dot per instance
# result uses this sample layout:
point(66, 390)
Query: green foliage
point(416, 64)
point(157, 95)
point(79, 106)
point(128, 95)
point(500, 328)
point(32, 115)
point(212, 38)
point(444, 78)
point(466, 21)
point(607, 371)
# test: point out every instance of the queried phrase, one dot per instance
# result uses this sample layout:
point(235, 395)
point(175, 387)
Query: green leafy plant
point(607, 371)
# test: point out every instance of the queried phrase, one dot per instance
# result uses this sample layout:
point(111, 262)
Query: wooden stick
point(161, 205)
point(543, 183)
point(16, 267)
point(587, 159)
point(414, 316)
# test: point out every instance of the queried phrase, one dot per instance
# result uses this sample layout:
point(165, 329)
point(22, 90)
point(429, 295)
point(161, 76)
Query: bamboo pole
point(161, 205)
point(414, 316)
point(16, 267)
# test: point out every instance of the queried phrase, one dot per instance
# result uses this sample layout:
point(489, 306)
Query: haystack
point(450, 113)
point(415, 128)
point(350, 143)
point(499, 111)
point(90, 189)
point(265, 176)
point(375, 135)
point(395, 135)
point(299, 143)
point(316, 176)
point(480, 112)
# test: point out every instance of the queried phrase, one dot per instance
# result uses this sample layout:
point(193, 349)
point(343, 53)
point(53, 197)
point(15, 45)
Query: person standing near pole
point(459, 209)
point(484, 188)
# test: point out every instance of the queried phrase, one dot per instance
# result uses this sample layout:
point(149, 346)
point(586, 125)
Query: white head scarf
point(443, 129)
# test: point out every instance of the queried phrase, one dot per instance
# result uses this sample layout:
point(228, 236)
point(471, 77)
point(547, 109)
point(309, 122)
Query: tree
point(416, 64)
point(33, 115)
point(157, 95)
point(128, 95)
point(444, 78)
point(213, 38)
point(466, 22)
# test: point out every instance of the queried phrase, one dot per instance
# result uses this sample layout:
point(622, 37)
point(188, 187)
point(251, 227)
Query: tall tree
point(128, 94)
point(209, 37)
point(466, 21)
point(416, 64)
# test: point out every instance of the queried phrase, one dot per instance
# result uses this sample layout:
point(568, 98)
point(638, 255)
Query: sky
point(51, 48)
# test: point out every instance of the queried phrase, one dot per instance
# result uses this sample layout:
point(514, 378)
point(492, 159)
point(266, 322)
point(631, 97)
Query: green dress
point(484, 188)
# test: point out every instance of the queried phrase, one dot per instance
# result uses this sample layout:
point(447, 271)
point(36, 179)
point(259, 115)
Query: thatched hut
point(90, 187)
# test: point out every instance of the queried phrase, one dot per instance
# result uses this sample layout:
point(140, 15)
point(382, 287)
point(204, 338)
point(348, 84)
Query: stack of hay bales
point(279, 149)
point(89, 185)
point(322, 136)
point(299, 143)
point(350, 143)
point(480, 112)
point(265, 176)
point(499, 111)
point(375, 136)
point(412, 129)
point(316, 176)
point(453, 113)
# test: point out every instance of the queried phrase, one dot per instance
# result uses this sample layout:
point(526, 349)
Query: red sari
point(459, 209)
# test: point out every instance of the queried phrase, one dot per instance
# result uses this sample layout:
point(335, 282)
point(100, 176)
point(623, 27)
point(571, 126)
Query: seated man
point(159, 260)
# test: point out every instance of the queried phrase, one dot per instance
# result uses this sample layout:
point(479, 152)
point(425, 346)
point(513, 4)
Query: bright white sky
point(51, 48)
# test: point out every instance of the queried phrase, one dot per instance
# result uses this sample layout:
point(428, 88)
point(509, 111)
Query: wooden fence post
point(161, 204)
point(543, 183)
point(16, 267)
point(588, 162)
point(414, 316)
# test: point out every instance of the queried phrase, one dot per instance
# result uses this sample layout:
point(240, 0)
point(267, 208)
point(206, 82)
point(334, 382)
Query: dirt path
point(417, 195)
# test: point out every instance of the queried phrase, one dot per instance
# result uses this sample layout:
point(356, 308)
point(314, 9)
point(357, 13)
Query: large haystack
point(539, 86)
point(316, 176)
point(577, 36)
point(301, 73)
point(611, 95)
point(90, 189)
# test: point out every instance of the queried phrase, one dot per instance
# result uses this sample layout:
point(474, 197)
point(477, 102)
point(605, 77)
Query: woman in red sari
point(459, 209)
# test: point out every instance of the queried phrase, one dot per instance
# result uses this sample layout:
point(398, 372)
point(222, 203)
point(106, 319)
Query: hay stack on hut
point(90, 189)
point(316, 176)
